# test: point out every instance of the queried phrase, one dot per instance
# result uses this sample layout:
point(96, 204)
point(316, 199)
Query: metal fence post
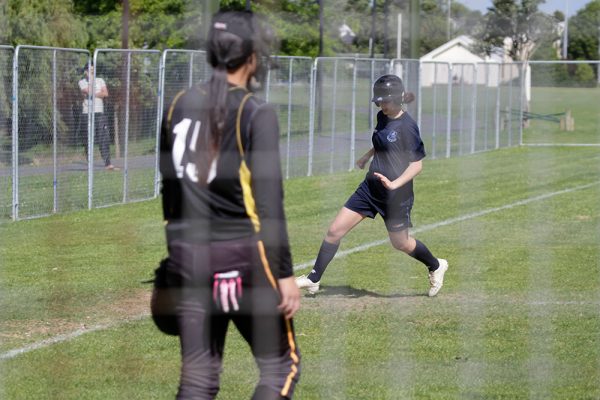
point(289, 119)
point(449, 112)
point(159, 113)
point(311, 118)
point(510, 104)
point(54, 138)
point(434, 112)
point(126, 150)
point(191, 73)
point(523, 73)
point(15, 136)
point(353, 120)
point(462, 110)
point(499, 80)
point(474, 109)
point(420, 94)
point(90, 120)
point(486, 117)
point(333, 115)
point(268, 85)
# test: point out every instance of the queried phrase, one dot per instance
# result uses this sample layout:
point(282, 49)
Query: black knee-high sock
point(422, 253)
point(326, 254)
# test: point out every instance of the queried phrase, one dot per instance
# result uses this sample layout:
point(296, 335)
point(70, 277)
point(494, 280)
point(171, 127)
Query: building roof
point(456, 50)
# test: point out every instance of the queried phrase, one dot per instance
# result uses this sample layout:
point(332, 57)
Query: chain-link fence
point(180, 69)
point(75, 149)
point(562, 104)
point(342, 114)
point(288, 89)
point(49, 170)
point(129, 121)
point(470, 107)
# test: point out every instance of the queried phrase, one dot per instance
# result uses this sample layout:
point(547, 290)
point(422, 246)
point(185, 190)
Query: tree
point(520, 22)
point(584, 75)
point(156, 24)
point(584, 29)
point(464, 20)
point(43, 23)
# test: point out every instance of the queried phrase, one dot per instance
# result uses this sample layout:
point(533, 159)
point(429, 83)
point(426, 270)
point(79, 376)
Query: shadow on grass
point(351, 292)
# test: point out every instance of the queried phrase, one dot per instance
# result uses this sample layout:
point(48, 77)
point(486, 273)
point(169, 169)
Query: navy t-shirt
point(397, 142)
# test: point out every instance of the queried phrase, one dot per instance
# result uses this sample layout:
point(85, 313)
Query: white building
point(456, 61)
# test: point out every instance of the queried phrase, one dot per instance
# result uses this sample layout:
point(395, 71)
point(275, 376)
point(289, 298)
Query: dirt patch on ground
point(14, 333)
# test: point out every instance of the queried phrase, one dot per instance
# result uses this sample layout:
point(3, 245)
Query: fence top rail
point(294, 57)
point(347, 58)
point(29, 47)
point(6, 47)
point(186, 51)
point(565, 62)
point(136, 51)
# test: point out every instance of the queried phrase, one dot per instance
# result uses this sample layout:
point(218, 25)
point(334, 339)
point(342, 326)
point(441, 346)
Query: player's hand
point(385, 181)
point(290, 297)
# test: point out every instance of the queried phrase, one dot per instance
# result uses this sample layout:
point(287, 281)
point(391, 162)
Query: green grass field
point(518, 317)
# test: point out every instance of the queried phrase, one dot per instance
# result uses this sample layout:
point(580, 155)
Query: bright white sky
point(549, 6)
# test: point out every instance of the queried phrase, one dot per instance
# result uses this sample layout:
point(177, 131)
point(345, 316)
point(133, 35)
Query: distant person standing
point(101, 133)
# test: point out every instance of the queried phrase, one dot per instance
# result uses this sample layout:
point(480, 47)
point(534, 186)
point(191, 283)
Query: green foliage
point(44, 23)
point(583, 32)
point(155, 24)
point(584, 75)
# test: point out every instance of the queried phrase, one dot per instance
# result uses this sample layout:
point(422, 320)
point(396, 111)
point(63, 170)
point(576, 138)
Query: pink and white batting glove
point(227, 290)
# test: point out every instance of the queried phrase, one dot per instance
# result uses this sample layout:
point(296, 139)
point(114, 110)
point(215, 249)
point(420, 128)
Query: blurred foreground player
point(228, 250)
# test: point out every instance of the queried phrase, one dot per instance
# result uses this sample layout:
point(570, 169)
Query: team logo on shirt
point(392, 136)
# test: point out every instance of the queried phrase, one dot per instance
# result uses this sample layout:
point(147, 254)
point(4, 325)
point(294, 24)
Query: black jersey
point(397, 142)
point(244, 193)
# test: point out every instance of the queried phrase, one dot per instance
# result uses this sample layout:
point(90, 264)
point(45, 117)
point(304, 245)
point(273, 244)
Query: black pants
point(203, 325)
point(101, 135)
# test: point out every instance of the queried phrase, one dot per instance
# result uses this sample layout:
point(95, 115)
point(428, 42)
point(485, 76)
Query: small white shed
point(455, 61)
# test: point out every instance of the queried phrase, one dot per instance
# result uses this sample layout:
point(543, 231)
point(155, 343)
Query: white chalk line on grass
point(450, 221)
point(561, 144)
point(69, 336)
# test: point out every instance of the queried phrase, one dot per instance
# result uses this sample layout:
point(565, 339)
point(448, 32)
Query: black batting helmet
point(388, 88)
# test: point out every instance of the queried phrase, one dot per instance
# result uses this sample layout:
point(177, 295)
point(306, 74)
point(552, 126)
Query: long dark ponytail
point(230, 44)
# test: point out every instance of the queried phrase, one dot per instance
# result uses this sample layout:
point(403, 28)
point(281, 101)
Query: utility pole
point(372, 38)
point(386, 48)
point(566, 32)
point(415, 28)
point(320, 27)
point(125, 23)
point(449, 27)
point(399, 37)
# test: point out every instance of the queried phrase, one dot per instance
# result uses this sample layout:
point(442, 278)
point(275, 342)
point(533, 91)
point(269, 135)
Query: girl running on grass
point(387, 188)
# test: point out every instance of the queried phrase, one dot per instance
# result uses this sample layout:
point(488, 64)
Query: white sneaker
point(436, 278)
point(304, 283)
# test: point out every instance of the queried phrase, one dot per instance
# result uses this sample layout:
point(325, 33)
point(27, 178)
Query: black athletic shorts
point(395, 214)
point(203, 324)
